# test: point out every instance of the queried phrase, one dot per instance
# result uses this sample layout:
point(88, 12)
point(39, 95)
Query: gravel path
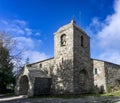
point(90, 99)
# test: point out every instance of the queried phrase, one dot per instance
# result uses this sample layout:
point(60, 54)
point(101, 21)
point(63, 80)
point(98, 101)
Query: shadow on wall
point(114, 87)
point(62, 79)
point(100, 89)
point(42, 86)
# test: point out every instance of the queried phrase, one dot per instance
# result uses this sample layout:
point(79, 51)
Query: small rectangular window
point(96, 72)
point(40, 65)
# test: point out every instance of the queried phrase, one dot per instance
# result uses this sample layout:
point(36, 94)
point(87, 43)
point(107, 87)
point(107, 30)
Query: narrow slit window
point(96, 72)
point(82, 41)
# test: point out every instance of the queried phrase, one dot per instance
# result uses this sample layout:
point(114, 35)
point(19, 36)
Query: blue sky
point(33, 23)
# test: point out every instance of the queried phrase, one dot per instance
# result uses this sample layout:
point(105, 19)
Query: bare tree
point(10, 61)
point(9, 42)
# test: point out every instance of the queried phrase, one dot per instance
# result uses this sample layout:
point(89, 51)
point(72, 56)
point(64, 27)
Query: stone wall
point(42, 86)
point(107, 77)
point(63, 56)
point(112, 76)
point(20, 87)
point(45, 65)
point(83, 76)
point(99, 76)
point(45, 69)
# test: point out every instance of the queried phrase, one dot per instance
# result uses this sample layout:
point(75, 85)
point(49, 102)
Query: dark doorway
point(42, 86)
point(23, 85)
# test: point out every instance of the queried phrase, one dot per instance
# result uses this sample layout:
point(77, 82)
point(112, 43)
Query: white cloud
point(16, 27)
point(107, 40)
point(25, 43)
point(35, 56)
point(4, 22)
point(20, 22)
point(29, 45)
point(28, 31)
point(37, 34)
point(25, 37)
point(112, 56)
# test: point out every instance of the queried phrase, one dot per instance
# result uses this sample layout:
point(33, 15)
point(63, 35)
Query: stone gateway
point(71, 70)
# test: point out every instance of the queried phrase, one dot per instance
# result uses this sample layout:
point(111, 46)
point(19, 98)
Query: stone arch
point(83, 77)
point(24, 85)
point(63, 39)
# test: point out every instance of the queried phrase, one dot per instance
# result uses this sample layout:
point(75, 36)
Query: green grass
point(112, 94)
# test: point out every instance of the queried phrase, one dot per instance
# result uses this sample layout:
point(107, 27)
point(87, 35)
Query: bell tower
point(63, 42)
point(63, 55)
point(72, 59)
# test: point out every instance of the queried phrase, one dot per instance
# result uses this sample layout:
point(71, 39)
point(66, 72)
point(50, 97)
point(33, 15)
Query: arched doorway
point(83, 76)
point(23, 85)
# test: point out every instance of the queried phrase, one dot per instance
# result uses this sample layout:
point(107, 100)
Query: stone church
point(71, 70)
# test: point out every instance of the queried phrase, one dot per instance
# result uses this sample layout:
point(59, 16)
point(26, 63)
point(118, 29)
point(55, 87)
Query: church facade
point(71, 70)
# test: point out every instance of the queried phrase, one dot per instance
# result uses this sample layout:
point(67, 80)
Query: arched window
point(82, 41)
point(63, 40)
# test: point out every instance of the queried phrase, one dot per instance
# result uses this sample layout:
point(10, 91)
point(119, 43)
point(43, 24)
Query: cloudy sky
point(33, 23)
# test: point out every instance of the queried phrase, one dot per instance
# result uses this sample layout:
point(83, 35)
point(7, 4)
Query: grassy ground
point(112, 94)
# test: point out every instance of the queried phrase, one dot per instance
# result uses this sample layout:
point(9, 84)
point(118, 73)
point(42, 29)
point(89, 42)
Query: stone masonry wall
point(45, 69)
point(112, 76)
point(42, 86)
point(99, 77)
point(30, 83)
point(64, 60)
point(83, 76)
point(45, 65)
